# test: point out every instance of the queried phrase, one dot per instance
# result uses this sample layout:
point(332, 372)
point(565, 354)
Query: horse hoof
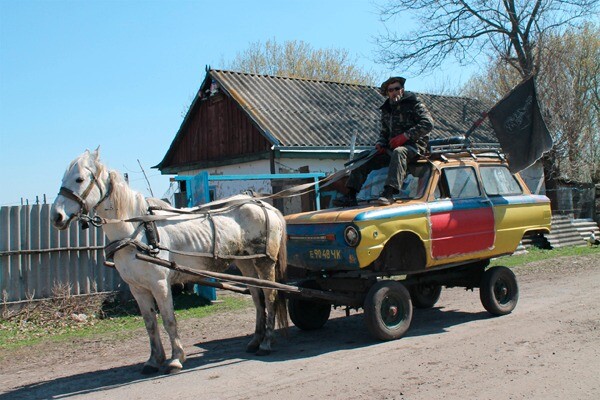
point(149, 369)
point(173, 370)
point(263, 352)
point(252, 348)
point(173, 367)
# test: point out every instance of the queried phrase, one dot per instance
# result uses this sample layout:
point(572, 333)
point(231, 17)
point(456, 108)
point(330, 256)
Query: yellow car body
point(456, 210)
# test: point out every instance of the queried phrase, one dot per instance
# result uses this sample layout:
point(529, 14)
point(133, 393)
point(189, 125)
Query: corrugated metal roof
point(302, 112)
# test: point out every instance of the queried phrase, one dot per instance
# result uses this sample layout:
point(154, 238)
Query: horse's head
point(83, 187)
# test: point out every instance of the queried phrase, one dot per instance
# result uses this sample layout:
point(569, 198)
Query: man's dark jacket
point(410, 116)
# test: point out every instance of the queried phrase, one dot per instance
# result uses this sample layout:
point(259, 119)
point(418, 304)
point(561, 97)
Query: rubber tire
point(499, 291)
point(425, 296)
point(384, 295)
point(306, 314)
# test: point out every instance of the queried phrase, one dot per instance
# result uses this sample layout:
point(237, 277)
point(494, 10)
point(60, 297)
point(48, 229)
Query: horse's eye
point(79, 180)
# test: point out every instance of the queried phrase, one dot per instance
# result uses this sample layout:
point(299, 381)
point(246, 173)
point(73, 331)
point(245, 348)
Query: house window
point(498, 181)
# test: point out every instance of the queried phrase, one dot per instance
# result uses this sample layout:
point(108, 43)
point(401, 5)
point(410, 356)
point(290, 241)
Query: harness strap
point(217, 256)
point(214, 232)
point(267, 230)
point(113, 247)
point(297, 190)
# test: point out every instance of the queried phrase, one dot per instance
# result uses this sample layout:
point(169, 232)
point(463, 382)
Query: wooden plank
point(62, 273)
point(34, 244)
point(4, 246)
point(73, 266)
point(84, 267)
point(25, 245)
point(45, 259)
point(16, 287)
point(55, 260)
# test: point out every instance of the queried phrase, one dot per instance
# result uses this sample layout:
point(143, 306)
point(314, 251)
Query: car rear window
point(498, 181)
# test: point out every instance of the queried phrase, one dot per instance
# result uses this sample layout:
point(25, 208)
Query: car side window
point(459, 183)
point(498, 181)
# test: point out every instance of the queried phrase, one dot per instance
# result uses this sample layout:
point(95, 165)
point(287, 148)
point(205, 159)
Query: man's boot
point(387, 196)
point(347, 200)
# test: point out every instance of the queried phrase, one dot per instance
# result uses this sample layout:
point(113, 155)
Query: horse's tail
point(281, 276)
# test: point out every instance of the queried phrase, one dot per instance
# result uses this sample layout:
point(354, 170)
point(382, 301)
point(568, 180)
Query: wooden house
point(244, 124)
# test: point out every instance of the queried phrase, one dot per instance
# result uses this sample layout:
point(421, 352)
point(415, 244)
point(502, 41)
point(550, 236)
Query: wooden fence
point(35, 257)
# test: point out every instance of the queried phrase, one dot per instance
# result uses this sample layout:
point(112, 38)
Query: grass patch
point(67, 317)
point(535, 254)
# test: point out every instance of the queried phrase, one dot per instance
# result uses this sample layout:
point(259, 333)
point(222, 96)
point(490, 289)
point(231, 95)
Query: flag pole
point(476, 124)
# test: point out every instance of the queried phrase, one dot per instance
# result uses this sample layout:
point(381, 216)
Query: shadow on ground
point(342, 333)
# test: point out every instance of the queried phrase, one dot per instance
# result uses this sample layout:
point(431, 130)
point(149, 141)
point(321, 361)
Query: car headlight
point(351, 235)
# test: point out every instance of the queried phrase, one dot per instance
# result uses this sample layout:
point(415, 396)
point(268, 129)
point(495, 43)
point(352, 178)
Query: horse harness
point(148, 222)
point(153, 246)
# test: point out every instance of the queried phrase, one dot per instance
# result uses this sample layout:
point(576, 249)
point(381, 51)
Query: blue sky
point(75, 75)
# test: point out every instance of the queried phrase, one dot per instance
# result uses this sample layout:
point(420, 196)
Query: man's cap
point(384, 85)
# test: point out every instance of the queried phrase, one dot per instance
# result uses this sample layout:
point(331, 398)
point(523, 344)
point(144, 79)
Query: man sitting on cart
point(405, 125)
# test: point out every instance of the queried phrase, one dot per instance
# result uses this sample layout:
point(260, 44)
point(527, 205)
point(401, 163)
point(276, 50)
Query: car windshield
point(414, 185)
point(416, 181)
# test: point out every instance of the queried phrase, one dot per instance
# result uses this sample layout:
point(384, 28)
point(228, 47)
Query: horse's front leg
point(164, 299)
point(157, 352)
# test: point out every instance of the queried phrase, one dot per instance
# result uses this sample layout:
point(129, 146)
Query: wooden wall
point(216, 130)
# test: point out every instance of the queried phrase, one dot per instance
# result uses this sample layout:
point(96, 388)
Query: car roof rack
point(440, 148)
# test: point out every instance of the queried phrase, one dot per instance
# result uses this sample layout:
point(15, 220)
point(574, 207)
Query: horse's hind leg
point(164, 299)
point(246, 267)
point(146, 304)
point(266, 270)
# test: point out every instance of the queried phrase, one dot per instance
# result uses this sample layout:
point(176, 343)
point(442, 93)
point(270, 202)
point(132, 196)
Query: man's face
point(395, 91)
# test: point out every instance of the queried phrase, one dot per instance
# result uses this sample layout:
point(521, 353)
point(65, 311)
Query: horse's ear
point(96, 153)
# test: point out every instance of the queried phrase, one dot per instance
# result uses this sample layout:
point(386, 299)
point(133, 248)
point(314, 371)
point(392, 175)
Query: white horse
point(246, 228)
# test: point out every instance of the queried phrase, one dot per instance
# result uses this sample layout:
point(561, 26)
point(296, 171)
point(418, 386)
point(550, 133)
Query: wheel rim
point(392, 311)
point(502, 291)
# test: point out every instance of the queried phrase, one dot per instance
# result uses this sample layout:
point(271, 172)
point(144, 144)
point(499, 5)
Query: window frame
point(444, 185)
point(505, 168)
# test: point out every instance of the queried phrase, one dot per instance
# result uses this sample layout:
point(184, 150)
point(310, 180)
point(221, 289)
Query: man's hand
point(398, 141)
point(380, 149)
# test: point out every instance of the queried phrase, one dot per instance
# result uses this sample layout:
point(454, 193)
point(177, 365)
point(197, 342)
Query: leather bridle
point(80, 198)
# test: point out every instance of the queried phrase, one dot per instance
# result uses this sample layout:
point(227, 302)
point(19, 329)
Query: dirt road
point(548, 348)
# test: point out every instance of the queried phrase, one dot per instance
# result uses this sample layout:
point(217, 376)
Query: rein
point(215, 206)
point(204, 211)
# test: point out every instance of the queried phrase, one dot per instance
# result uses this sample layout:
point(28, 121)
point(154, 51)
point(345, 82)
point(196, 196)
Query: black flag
point(519, 126)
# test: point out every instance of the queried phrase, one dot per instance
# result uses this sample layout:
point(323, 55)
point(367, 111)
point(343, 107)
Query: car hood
point(333, 215)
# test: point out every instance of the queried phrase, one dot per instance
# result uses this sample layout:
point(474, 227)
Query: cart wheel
point(306, 314)
point(499, 291)
point(388, 310)
point(425, 295)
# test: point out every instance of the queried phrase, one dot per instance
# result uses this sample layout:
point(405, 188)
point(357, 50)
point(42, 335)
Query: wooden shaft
point(217, 275)
point(205, 282)
point(293, 290)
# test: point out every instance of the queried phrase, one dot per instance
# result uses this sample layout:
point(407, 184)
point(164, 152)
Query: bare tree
point(299, 59)
point(466, 29)
point(568, 84)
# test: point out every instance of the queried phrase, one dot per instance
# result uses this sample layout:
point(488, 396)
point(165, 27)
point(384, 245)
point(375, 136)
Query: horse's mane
point(126, 201)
